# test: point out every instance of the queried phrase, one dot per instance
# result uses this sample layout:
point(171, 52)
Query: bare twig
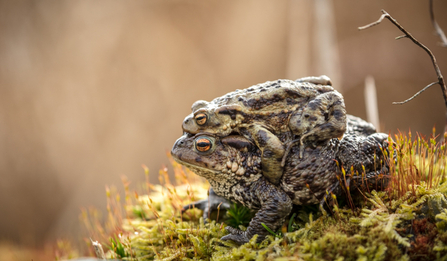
point(432, 57)
point(419, 92)
point(376, 22)
point(438, 29)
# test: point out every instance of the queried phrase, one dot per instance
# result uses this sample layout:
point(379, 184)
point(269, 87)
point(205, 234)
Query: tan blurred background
point(90, 90)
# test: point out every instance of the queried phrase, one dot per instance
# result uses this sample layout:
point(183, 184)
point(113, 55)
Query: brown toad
point(270, 113)
point(232, 166)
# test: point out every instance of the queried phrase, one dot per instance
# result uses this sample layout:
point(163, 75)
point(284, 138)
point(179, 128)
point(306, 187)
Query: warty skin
point(232, 166)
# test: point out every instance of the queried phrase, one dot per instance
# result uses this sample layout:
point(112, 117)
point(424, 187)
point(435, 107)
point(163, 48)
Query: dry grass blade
point(438, 29)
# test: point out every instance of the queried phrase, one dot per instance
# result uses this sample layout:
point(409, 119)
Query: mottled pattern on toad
point(270, 113)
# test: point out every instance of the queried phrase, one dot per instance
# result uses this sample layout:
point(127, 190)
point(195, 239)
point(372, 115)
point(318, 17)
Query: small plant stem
point(289, 228)
point(218, 211)
point(209, 203)
point(348, 189)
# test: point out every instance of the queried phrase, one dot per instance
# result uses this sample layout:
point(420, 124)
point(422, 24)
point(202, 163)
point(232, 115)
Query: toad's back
point(272, 95)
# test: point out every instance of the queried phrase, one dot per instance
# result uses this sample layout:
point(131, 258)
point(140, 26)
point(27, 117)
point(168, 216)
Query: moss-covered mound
point(407, 221)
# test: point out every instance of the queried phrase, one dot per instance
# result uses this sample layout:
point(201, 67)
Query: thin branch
point(374, 23)
point(432, 57)
point(438, 29)
point(409, 36)
point(419, 92)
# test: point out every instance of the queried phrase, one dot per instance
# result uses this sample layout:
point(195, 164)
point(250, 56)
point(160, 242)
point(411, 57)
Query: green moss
point(408, 221)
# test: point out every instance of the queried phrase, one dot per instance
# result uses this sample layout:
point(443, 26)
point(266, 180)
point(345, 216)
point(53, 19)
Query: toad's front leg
point(272, 150)
point(274, 206)
point(208, 205)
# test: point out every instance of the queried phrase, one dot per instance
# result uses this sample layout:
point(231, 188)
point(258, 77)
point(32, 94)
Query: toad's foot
point(214, 202)
point(238, 236)
point(289, 146)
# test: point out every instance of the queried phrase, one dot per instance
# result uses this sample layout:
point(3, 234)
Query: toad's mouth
point(201, 171)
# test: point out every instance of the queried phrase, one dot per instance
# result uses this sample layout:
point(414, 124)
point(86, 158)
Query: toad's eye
point(203, 144)
point(200, 118)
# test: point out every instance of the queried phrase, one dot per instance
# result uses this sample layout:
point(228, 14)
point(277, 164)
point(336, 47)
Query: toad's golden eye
point(203, 144)
point(200, 118)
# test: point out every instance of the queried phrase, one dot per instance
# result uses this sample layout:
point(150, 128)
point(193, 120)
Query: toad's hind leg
point(275, 205)
point(323, 118)
point(272, 152)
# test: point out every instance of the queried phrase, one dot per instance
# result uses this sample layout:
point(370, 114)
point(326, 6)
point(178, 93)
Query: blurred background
point(90, 90)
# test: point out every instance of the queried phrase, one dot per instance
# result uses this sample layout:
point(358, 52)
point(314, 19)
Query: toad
point(232, 165)
point(270, 114)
